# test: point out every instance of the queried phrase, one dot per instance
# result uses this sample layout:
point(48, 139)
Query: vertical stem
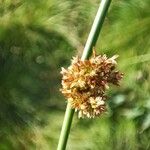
point(91, 41)
point(65, 128)
point(96, 27)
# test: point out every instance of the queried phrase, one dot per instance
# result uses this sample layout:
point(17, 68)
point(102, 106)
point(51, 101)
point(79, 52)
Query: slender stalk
point(65, 128)
point(91, 42)
point(96, 28)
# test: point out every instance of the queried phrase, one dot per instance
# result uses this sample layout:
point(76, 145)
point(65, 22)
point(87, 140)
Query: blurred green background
point(37, 38)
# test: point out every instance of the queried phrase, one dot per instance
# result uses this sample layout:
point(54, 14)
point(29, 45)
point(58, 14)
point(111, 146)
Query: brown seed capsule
point(84, 83)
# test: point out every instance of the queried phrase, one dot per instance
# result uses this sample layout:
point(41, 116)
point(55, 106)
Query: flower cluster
point(84, 83)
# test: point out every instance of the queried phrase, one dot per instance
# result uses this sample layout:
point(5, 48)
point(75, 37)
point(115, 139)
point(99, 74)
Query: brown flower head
point(84, 83)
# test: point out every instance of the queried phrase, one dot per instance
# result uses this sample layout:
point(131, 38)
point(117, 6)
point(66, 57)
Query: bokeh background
point(37, 38)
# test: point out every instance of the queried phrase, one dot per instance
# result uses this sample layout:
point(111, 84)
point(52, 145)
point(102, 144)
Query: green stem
point(91, 42)
point(65, 128)
point(96, 28)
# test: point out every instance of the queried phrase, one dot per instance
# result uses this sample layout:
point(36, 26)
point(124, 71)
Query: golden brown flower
point(84, 83)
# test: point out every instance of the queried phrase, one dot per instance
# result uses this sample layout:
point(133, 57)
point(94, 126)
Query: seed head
point(84, 83)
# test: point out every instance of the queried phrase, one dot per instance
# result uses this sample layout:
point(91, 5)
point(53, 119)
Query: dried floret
point(84, 83)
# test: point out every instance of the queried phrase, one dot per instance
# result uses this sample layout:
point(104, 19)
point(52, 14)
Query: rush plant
point(81, 82)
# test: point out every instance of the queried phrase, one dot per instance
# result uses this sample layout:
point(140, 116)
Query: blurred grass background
point(36, 39)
